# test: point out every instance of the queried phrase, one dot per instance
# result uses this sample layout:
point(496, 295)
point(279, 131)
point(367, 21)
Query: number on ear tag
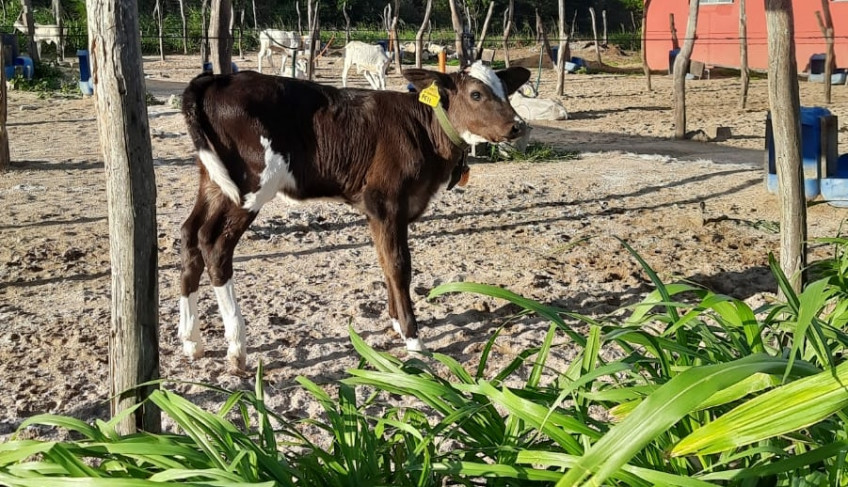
point(430, 95)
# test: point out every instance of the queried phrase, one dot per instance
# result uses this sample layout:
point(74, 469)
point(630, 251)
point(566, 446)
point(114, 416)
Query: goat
point(43, 33)
point(369, 59)
point(274, 40)
point(384, 153)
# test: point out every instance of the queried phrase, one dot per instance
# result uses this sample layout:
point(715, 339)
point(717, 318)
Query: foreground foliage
point(703, 391)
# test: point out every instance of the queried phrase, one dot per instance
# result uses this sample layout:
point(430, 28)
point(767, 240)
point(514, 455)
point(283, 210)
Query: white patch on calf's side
point(219, 175)
point(487, 75)
point(277, 175)
point(189, 328)
point(234, 330)
point(473, 139)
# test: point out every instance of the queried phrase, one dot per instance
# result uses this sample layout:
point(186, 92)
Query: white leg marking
point(275, 177)
point(472, 139)
point(415, 345)
point(219, 175)
point(412, 344)
point(487, 75)
point(189, 330)
point(234, 330)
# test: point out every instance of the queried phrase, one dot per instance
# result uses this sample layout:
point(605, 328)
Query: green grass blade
point(787, 408)
point(658, 412)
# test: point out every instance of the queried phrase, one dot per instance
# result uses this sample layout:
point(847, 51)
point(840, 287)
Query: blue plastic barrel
point(85, 84)
point(811, 151)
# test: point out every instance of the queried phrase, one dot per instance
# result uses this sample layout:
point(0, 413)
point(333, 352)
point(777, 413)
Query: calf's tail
point(196, 121)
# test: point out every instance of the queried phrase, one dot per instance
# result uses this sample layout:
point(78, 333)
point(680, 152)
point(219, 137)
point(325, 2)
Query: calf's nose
point(518, 129)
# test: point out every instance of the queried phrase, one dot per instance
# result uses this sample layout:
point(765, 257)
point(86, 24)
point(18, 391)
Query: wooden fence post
point(119, 95)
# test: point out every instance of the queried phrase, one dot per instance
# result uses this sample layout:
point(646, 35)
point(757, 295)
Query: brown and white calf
point(384, 153)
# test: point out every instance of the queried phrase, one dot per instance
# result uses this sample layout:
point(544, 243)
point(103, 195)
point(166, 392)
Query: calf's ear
point(513, 78)
point(422, 78)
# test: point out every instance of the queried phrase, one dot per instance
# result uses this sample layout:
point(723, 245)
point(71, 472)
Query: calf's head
point(477, 100)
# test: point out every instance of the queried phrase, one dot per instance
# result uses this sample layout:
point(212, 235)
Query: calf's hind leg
point(218, 238)
point(192, 268)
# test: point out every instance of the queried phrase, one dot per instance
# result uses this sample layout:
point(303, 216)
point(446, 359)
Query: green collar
point(430, 97)
point(447, 127)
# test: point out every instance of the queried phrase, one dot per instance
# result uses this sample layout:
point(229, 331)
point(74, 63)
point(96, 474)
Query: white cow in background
point(43, 33)
point(273, 40)
point(370, 60)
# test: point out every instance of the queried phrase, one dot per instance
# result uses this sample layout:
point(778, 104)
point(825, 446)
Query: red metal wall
point(717, 40)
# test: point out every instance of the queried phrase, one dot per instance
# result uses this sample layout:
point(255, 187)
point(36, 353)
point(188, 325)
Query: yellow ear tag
point(430, 95)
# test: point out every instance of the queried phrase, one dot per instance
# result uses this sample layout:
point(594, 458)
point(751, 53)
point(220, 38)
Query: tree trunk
point(604, 20)
point(299, 24)
point(312, 20)
point(204, 33)
point(681, 67)
point(485, 30)
point(255, 19)
point(185, 26)
point(241, 34)
point(220, 40)
point(595, 35)
point(5, 157)
point(396, 39)
point(347, 21)
point(543, 36)
point(157, 14)
point(419, 37)
point(785, 105)
point(675, 43)
point(826, 26)
point(60, 22)
point(645, 67)
point(26, 6)
point(457, 28)
point(119, 95)
point(744, 71)
point(508, 16)
point(573, 24)
point(563, 50)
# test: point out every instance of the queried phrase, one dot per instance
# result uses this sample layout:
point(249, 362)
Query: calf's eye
point(475, 95)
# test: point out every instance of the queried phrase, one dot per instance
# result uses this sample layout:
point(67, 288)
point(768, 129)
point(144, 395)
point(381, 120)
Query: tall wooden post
point(785, 104)
point(26, 11)
point(396, 39)
point(479, 51)
point(508, 17)
point(681, 66)
point(562, 52)
point(458, 30)
point(419, 37)
point(157, 14)
point(119, 95)
point(220, 40)
point(595, 35)
point(60, 22)
point(185, 26)
point(675, 43)
point(826, 26)
point(645, 67)
point(5, 157)
point(744, 72)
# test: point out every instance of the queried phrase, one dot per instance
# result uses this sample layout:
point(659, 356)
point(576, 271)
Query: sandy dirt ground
point(546, 230)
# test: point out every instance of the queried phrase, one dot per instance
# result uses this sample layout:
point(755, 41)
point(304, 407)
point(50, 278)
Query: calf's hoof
point(193, 350)
point(237, 364)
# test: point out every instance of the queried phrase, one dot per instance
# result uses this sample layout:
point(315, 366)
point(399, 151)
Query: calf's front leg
point(389, 229)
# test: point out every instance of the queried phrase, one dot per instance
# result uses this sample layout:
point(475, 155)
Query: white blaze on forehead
point(277, 175)
point(487, 75)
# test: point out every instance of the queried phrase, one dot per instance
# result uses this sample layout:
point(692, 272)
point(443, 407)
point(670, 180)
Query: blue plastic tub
point(834, 187)
point(812, 151)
